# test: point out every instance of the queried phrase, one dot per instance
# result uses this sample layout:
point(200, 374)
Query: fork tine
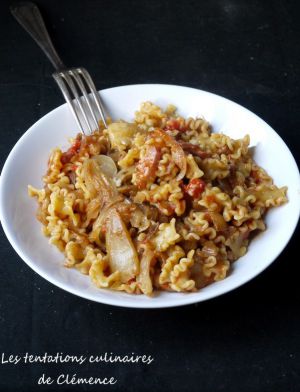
point(65, 75)
point(90, 83)
point(74, 84)
point(85, 94)
point(61, 84)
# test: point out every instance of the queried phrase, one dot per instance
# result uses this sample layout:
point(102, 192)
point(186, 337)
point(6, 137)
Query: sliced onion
point(120, 249)
point(98, 184)
point(209, 249)
point(151, 212)
point(121, 134)
point(139, 220)
point(152, 230)
point(100, 222)
point(107, 165)
point(144, 278)
point(147, 166)
point(235, 243)
point(218, 221)
point(92, 211)
point(126, 208)
point(179, 158)
point(123, 175)
point(103, 193)
point(178, 154)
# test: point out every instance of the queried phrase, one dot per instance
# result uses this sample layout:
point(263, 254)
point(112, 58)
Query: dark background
point(247, 51)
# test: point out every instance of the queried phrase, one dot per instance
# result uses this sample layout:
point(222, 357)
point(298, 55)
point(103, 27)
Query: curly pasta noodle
point(160, 203)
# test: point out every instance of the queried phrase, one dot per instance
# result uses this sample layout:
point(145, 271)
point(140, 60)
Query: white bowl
point(27, 162)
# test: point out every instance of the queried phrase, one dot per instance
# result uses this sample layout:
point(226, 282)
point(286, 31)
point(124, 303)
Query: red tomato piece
point(195, 187)
point(172, 125)
point(73, 150)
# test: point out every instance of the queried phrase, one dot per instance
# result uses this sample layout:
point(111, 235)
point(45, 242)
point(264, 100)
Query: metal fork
point(76, 84)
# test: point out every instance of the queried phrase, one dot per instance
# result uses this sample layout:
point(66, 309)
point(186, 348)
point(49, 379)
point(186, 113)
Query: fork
point(75, 84)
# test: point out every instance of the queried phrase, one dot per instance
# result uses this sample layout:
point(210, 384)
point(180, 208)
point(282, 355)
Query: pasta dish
point(161, 203)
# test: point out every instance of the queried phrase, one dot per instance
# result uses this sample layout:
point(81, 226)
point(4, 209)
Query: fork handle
point(30, 18)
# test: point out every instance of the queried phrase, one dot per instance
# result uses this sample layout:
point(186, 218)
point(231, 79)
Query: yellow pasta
point(160, 203)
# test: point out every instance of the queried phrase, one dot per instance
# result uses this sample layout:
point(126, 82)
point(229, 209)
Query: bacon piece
point(193, 149)
point(147, 166)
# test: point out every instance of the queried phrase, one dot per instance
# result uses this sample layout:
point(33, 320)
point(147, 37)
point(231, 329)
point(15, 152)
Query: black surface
point(247, 51)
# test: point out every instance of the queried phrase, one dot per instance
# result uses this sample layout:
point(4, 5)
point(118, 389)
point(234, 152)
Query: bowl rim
point(153, 302)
